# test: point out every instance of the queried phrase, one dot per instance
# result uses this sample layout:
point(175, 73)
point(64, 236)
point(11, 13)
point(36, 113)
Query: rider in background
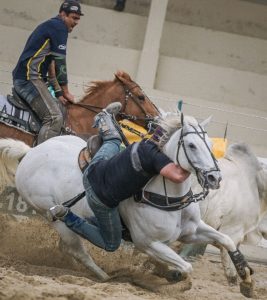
point(120, 5)
point(44, 56)
point(113, 176)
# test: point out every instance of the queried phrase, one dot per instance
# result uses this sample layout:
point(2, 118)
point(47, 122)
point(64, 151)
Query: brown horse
point(136, 106)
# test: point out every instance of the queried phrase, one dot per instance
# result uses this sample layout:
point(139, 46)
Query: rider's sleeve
point(58, 51)
point(160, 160)
point(152, 159)
point(61, 70)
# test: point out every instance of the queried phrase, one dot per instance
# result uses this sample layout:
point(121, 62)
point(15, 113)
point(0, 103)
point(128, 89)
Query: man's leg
point(109, 134)
point(49, 112)
point(36, 94)
point(108, 234)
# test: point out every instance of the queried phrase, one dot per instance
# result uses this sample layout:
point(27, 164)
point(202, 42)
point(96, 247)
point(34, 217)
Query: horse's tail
point(11, 151)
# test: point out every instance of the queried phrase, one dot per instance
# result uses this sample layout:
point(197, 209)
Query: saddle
point(87, 153)
point(34, 124)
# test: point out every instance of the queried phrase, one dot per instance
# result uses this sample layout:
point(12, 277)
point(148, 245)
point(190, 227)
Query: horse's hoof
point(175, 276)
point(104, 278)
point(247, 289)
point(232, 280)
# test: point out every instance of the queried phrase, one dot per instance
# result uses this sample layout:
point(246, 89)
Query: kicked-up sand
point(32, 267)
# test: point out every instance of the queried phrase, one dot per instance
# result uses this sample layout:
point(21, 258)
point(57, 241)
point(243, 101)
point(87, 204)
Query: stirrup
point(57, 212)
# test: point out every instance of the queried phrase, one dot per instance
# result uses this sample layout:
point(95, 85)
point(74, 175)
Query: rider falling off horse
point(113, 176)
point(45, 53)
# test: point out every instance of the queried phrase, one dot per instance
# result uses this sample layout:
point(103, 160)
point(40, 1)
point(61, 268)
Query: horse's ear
point(122, 76)
point(205, 122)
point(116, 76)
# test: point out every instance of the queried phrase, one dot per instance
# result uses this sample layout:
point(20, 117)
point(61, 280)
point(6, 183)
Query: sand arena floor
point(32, 267)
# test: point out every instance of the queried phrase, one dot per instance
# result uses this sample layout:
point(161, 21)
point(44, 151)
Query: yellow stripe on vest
point(35, 55)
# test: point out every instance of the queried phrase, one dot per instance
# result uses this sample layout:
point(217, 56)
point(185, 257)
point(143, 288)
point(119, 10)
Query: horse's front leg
point(166, 256)
point(228, 266)
point(237, 236)
point(207, 234)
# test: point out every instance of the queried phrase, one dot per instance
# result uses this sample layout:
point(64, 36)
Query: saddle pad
point(9, 114)
point(132, 131)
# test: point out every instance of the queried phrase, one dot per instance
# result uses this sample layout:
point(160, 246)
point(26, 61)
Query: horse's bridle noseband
point(129, 95)
point(201, 135)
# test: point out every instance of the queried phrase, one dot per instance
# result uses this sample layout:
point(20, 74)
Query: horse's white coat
point(49, 175)
point(238, 207)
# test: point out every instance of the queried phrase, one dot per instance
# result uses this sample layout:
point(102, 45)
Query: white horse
point(49, 174)
point(239, 207)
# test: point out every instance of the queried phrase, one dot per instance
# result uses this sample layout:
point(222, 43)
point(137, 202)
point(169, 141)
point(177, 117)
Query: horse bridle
point(204, 173)
point(128, 95)
point(189, 197)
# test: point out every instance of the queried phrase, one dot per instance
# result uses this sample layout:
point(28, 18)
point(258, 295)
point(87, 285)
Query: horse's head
point(190, 147)
point(136, 106)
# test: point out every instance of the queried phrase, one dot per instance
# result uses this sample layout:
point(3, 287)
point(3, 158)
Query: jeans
point(36, 94)
point(107, 233)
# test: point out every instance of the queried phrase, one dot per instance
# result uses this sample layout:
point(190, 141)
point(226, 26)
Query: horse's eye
point(192, 146)
point(141, 98)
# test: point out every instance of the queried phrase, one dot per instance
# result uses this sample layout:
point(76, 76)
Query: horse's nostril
point(211, 178)
point(214, 181)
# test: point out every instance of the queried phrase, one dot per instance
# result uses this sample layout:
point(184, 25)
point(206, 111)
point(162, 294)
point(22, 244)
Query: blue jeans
point(107, 233)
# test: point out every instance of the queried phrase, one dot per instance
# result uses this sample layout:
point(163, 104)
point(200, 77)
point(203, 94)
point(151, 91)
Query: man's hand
point(63, 100)
point(174, 173)
point(68, 96)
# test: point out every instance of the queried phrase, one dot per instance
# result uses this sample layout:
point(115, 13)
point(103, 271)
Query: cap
point(71, 6)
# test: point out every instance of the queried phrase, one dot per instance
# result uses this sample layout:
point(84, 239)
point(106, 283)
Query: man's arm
point(174, 173)
point(52, 79)
point(61, 76)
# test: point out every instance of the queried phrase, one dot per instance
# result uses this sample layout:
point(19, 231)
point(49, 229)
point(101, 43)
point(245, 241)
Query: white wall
point(235, 16)
point(213, 83)
point(202, 66)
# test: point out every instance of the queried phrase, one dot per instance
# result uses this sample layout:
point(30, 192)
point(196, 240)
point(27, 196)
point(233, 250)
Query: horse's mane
point(171, 121)
point(246, 161)
point(261, 179)
point(93, 87)
point(241, 151)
